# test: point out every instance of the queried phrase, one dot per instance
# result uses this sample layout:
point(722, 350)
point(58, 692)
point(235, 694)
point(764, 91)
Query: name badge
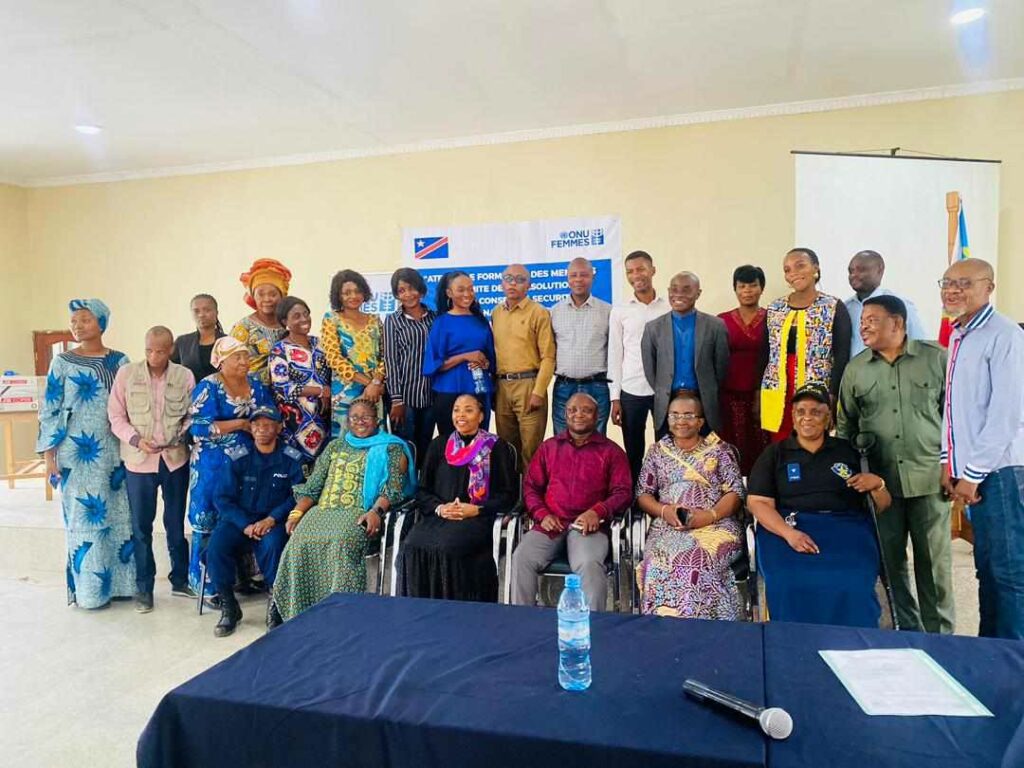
point(793, 472)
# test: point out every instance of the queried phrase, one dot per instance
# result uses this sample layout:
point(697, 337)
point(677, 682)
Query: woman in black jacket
point(193, 349)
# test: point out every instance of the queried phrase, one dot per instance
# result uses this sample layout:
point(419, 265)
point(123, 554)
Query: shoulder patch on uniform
point(236, 452)
point(292, 453)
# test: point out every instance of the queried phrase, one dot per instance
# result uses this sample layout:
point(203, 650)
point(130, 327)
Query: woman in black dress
point(193, 349)
point(467, 479)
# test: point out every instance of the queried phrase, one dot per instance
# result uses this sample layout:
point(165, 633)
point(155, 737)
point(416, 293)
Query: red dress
point(742, 385)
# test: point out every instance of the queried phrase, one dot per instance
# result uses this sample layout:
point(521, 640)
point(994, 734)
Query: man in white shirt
point(865, 275)
point(631, 395)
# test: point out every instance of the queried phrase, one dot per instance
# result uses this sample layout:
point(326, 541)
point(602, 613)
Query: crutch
point(864, 442)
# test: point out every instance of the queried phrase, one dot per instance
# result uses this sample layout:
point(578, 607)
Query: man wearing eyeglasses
point(983, 440)
point(895, 392)
point(524, 345)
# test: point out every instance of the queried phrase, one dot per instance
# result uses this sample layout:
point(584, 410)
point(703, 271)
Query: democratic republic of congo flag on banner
point(961, 250)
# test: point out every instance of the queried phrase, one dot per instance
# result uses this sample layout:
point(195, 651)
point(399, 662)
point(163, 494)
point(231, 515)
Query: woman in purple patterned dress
point(692, 486)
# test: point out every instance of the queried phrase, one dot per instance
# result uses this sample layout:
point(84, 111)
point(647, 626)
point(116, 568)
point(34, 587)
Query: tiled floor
point(78, 687)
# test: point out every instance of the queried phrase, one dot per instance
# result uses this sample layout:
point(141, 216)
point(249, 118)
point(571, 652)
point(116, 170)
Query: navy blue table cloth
point(360, 680)
point(832, 731)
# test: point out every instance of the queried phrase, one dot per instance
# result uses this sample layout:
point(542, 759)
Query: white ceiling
point(194, 82)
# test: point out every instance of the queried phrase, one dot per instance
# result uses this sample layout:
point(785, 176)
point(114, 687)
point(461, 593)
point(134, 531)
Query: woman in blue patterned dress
point(75, 437)
point(221, 404)
point(300, 379)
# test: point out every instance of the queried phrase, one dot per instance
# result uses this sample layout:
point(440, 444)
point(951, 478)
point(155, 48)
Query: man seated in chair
point(576, 482)
point(253, 500)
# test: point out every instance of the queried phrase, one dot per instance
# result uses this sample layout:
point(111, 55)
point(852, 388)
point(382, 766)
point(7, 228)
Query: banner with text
point(545, 248)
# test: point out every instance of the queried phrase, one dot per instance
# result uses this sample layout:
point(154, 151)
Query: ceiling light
point(967, 16)
point(89, 130)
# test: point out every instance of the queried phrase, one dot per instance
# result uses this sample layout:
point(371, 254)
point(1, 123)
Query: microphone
point(774, 721)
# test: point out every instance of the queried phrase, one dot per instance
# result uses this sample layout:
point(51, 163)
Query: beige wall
point(704, 197)
point(15, 351)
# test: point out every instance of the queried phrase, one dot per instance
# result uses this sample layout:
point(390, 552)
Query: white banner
point(545, 248)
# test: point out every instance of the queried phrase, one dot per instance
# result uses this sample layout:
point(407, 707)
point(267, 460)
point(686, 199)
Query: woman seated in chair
point(817, 548)
point(468, 478)
point(692, 486)
point(354, 482)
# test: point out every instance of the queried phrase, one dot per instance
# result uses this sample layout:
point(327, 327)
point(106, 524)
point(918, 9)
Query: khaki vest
point(138, 400)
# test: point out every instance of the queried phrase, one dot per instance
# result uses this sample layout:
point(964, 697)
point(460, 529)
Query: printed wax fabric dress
point(97, 521)
point(260, 340)
point(306, 420)
point(350, 350)
point(688, 573)
point(210, 403)
point(327, 550)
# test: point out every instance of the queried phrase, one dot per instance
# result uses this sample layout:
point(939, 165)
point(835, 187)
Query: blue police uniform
point(257, 485)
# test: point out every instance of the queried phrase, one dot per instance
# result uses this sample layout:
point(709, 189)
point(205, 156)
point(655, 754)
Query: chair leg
point(396, 541)
point(382, 561)
point(511, 534)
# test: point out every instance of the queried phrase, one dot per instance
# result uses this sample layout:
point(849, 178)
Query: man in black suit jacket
point(702, 344)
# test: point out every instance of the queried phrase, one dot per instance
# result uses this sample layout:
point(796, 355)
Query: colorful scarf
point(375, 475)
point(476, 455)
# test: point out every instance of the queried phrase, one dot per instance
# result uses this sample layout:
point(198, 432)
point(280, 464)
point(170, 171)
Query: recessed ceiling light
point(967, 15)
point(89, 130)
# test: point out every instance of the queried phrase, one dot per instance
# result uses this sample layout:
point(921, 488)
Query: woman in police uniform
point(816, 543)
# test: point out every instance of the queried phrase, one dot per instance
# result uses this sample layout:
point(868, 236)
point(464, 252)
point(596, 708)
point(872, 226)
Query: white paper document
point(902, 681)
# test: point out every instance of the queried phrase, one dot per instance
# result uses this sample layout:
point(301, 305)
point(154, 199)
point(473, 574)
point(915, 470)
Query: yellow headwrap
point(265, 272)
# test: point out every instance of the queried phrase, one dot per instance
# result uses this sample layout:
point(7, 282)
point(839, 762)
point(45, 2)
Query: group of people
point(275, 439)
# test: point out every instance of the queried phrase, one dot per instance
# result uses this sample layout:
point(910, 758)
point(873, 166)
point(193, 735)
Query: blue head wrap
point(97, 307)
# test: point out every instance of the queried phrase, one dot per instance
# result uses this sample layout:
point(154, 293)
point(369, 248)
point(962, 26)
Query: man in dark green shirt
point(893, 391)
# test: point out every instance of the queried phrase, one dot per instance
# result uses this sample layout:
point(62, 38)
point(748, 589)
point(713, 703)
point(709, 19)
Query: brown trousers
point(515, 424)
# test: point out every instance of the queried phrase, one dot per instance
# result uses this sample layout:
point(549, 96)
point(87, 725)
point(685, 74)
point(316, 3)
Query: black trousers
point(635, 412)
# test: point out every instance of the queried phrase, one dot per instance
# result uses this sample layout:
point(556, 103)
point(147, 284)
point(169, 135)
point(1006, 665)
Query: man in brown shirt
point(525, 347)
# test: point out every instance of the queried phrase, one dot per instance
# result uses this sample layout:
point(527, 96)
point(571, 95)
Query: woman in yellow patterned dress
point(266, 283)
point(352, 342)
point(692, 486)
point(338, 510)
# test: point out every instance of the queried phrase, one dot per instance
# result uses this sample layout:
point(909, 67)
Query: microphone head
point(864, 441)
point(776, 723)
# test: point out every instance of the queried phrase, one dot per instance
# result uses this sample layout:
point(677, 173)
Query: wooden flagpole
point(961, 526)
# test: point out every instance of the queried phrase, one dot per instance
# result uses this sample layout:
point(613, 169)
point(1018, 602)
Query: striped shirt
point(405, 338)
point(581, 337)
point(983, 419)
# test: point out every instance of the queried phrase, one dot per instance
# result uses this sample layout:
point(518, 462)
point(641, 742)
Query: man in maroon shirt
point(576, 481)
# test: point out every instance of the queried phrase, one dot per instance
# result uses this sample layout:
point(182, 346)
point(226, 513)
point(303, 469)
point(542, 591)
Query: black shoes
point(143, 602)
point(184, 590)
point(230, 615)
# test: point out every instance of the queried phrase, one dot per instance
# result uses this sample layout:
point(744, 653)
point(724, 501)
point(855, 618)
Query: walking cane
point(864, 442)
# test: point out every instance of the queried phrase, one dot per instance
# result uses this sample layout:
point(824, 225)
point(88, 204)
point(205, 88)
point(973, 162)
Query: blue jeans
point(565, 389)
point(998, 522)
point(142, 488)
point(418, 429)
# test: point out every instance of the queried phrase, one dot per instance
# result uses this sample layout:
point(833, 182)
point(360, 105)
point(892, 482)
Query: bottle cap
point(573, 580)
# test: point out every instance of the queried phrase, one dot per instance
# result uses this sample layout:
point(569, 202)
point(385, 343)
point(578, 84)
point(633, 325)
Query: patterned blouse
point(260, 339)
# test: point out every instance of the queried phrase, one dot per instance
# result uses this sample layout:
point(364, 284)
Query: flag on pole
point(958, 248)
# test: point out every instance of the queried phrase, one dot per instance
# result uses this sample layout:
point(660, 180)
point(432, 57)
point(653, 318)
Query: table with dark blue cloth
point(360, 680)
point(832, 731)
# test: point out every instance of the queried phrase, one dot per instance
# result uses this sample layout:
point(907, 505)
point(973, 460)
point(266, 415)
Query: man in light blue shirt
point(865, 275)
point(983, 440)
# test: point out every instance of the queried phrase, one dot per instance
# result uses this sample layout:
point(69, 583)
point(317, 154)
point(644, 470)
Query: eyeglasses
point(361, 418)
point(963, 284)
point(683, 417)
point(517, 279)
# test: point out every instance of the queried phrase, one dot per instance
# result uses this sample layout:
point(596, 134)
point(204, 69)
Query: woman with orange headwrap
point(266, 283)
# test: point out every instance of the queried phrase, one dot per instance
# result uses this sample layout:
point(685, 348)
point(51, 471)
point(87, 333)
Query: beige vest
point(138, 400)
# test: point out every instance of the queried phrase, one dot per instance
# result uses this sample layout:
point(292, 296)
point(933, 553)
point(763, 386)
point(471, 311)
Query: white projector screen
point(896, 206)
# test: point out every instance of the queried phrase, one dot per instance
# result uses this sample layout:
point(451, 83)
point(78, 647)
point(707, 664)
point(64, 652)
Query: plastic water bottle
point(573, 636)
point(479, 383)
